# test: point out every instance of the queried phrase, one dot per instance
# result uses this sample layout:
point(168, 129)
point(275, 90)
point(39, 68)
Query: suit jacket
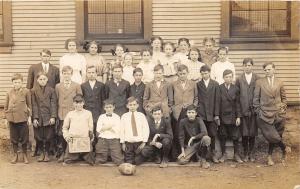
point(17, 106)
point(246, 94)
point(208, 100)
point(183, 96)
point(44, 104)
point(229, 104)
point(65, 98)
point(164, 129)
point(53, 75)
point(138, 93)
point(94, 98)
point(118, 94)
point(269, 102)
point(161, 96)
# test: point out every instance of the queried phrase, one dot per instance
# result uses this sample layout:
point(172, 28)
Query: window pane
point(240, 5)
point(278, 5)
point(259, 20)
point(114, 6)
point(96, 24)
point(240, 21)
point(114, 24)
point(278, 20)
point(132, 6)
point(96, 6)
point(133, 23)
point(258, 5)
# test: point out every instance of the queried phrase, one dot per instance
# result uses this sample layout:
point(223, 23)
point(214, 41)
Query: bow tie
point(108, 115)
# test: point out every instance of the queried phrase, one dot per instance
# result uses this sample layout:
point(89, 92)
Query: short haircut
point(197, 50)
point(211, 39)
point(78, 98)
point(108, 102)
point(116, 66)
point(17, 76)
point(67, 68)
point(138, 70)
point(158, 67)
point(87, 45)
point(40, 74)
point(223, 49)
point(153, 38)
point(227, 72)
point(182, 67)
point(146, 50)
point(46, 51)
point(184, 39)
point(246, 60)
point(132, 99)
point(156, 108)
point(90, 67)
point(68, 41)
point(113, 50)
point(268, 63)
point(171, 44)
point(205, 68)
point(191, 107)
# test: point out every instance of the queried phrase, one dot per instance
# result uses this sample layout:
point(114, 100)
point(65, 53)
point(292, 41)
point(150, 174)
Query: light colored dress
point(148, 70)
point(99, 62)
point(170, 65)
point(77, 62)
point(128, 74)
point(156, 56)
point(218, 68)
point(194, 70)
point(182, 57)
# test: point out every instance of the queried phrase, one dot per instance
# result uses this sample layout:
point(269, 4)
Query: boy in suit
point(78, 123)
point(160, 139)
point(134, 132)
point(108, 133)
point(65, 91)
point(246, 84)
point(208, 106)
point(44, 113)
point(193, 138)
point(137, 88)
point(269, 102)
point(229, 115)
point(17, 112)
point(93, 94)
point(184, 94)
point(118, 90)
point(158, 93)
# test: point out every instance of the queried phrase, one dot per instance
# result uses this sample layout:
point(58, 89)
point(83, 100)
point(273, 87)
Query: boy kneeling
point(160, 139)
point(78, 124)
point(193, 138)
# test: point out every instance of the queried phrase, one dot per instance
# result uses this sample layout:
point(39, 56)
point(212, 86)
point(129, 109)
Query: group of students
point(173, 105)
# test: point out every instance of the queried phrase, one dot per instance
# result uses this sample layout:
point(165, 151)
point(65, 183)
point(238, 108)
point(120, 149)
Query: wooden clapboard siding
point(196, 19)
point(41, 24)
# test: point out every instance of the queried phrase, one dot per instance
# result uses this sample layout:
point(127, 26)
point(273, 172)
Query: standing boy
point(137, 88)
point(269, 102)
point(118, 90)
point(17, 111)
point(208, 106)
point(160, 139)
point(65, 93)
point(246, 84)
point(134, 132)
point(193, 138)
point(158, 93)
point(108, 131)
point(229, 115)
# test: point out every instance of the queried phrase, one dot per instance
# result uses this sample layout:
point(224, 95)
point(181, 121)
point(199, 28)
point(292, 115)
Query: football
point(127, 169)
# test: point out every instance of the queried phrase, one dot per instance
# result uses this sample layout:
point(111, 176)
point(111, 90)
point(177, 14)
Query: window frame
point(107, 44)
point(252, 43)
point(6, 43)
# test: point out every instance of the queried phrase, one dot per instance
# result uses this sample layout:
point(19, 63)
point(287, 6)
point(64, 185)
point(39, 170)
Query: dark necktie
point(133, 125)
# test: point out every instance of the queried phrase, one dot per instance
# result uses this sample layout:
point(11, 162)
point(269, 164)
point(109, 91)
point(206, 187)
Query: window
point(5, 27)
point(272, 24)
point(115, 21)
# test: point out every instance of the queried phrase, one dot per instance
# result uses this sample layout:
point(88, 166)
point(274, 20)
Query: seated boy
point(229, 115)
point(193, 138)
point(78, 123)
point(134, 132)
point(108, 131)
point(160, 140)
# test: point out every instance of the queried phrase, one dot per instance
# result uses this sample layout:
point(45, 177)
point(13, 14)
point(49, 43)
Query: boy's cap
point(78, 98)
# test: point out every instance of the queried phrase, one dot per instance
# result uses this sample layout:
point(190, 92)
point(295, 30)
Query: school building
point(262, 30)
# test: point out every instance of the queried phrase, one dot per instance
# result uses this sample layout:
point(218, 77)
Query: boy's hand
point(238, 122)
point(35, 123)
point(68, 139)
point(124, 147)
point(155, 137)
point(52, 121)
point(190, 141)
point(217, 120)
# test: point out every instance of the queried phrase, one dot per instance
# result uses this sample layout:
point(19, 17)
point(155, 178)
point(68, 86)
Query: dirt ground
point(77, 176)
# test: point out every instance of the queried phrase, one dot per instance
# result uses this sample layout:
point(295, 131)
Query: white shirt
point(248, 77)
point(148, 71)
point(157, 56)
point(78, 124)
point(206, 82)
point(218, 68)
point(128, 74)
point(78, 63)
point(194, 70)
point(183, 57)
point(126, 128)
point(45, 67)
point(271, 80)
point(113, 121)
point(92, 84)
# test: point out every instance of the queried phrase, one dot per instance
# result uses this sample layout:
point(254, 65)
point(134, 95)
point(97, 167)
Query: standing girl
point(183, 50)
point(208, 55)
point(128, 68)
point(118, 53)
point(157, 47)
point(147, 66)
point(93, 58)
point(169, 62)
point(76, 61)
point(194, 64)
point(44, 113)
